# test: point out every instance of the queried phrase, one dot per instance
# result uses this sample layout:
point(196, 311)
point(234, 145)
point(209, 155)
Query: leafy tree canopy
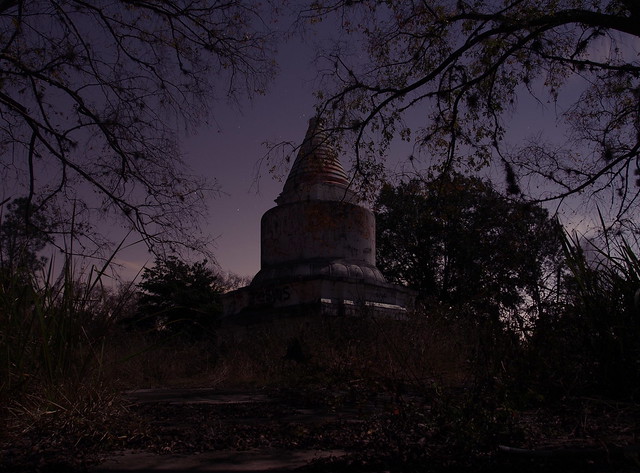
point(92, 94)
point(463, 69)
point(458, 241)
point(178, 296)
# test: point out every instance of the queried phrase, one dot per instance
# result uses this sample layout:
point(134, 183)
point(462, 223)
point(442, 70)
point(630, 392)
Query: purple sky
point(229, 149)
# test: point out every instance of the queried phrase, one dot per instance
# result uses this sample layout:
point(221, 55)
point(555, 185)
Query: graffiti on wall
point(270, 296)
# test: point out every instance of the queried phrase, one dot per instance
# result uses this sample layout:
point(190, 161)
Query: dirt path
point(220, 462)
point(202, 430)
point(208, 431)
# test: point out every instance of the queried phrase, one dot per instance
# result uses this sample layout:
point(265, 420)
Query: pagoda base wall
point(318, 296)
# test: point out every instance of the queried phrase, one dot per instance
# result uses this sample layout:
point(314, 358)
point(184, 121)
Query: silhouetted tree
point(92, 94)
point(463, 68)
point(458, 241)
point(179, 297)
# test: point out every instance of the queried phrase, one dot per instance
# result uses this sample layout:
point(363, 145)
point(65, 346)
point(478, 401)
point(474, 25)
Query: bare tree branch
point(92, 93)
point(464, 65)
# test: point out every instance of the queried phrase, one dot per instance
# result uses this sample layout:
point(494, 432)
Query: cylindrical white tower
point(318, 253)
point(317, 229)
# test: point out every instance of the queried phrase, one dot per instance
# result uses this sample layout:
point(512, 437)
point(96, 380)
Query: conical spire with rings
point(317, 173)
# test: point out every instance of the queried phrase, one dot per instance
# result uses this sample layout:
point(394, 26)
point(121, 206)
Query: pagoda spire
point(317, 173)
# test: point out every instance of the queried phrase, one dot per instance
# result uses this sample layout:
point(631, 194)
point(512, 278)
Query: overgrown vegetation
point(590, 342)
point(549, 315)
point(179, 297)
point(54, 317)
point(513, 311)
point(459, 242)
point(69, 344)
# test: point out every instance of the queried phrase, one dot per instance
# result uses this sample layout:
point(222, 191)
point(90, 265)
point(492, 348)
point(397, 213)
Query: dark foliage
point(591, 342)
point(464, 69)
point(459, 242)
point(178, 297)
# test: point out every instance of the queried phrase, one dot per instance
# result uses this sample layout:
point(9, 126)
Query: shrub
point(178, 297)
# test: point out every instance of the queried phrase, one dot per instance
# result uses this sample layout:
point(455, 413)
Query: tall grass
point(55, 393)
point(53, 330)
point(590, 343)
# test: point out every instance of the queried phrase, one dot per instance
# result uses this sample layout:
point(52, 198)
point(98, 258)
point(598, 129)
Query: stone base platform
point(317, 296)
